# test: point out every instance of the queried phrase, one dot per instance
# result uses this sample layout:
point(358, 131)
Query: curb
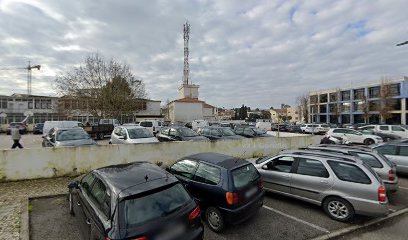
point(351, 229)
point(25, 215)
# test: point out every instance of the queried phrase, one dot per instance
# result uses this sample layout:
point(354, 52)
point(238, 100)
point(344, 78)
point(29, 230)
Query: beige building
point(292, 114)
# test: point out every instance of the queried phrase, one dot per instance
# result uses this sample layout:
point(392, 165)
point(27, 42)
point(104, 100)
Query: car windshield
point(259, 131)
point(262, 159)
point(244, 175)
point(135, 133)
point(226, 132)
point(367, 132)
point(187, 132)
point(324, 125)
point(139, 210)
point(72, 134)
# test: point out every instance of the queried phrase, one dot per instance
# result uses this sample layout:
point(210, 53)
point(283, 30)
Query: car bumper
point(374, 210)
point(196, 234)
point(241, 214)
point(391, 187)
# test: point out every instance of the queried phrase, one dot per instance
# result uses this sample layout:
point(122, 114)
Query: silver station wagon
point(342, 185)
point(385, 169)
point(397, 152)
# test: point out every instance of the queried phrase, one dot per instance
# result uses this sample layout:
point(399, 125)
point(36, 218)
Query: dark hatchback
point(218, 133)
point(251, 132)
point(178, 133)
point(138, 201)
point(228, 190)
point(38, 128)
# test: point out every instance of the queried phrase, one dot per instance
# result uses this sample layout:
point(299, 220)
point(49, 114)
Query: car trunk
point(246, 183)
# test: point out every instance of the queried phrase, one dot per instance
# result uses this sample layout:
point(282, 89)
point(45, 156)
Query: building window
point(345, 107)
point(313, 109)
point(345, 95)
point(374, 105)
point(374, 92)
point(313, 99)
point(323, 108)
point(3, 103)
point(37, 104)
point(395, 104)
point(395, 89)
point(333, 108)
point(345, 118)
point(323, 98)
point(333, 97)
point(359, 93)
point(358, 106)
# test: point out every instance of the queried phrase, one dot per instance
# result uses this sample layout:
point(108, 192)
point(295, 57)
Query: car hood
point(195, 138)
point(80, 142)
point(142, 140)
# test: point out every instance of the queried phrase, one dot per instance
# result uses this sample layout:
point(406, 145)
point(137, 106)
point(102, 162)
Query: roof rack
point(363, 148)
point(346, 158)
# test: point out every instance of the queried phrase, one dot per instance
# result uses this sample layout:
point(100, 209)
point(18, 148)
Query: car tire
point(338, 209)
point(215, 220)
point(101, 136)
point(369, 141)
point(71, 203)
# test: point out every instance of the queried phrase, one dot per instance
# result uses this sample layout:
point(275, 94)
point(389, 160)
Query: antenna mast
point(186, 71)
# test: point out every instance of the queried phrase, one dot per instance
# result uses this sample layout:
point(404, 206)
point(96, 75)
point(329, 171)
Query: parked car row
point(142, 201)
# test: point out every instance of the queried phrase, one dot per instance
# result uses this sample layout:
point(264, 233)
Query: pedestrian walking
point(16, 136)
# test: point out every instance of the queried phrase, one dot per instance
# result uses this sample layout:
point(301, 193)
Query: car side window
point(384, 128)
point(165, 131)
point(100, 195)
point(184, 168)
point(403, 151)
point(397, 129)
point(86, 183)
point(282, 164)
point(117, 131)
point(123, 132)
point(371, 160)
point(311, 167)
point(387, 149)
point(349, 172)
point(206, 131)
point(207, 174)
point(339, 131)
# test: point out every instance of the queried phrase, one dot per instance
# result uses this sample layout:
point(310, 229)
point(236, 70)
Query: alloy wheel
point(338, 209)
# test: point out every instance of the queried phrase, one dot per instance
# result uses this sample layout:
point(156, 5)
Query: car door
point(397, 130)
point(277, 173)
point(205, 185)
point(401, 159)
point(184, 171)
point(310, 179)
point(100, 209)
point(384, 128)
point(354, 136)
point(80, 200)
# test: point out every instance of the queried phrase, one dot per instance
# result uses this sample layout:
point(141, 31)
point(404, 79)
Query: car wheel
point(71, 203)
point(101, 136)
point(338, 209)
point(369, 141)
point(214, 219)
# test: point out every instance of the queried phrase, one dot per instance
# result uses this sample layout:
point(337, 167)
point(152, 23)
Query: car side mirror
point(265, 167)
point(73, 185)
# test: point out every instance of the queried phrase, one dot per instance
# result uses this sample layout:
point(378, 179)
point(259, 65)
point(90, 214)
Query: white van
point(267, 126)
point(60, 124)
point(196, 124)
point(153, 126)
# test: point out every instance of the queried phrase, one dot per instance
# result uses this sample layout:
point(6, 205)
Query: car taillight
point(391, 175)
point(154, 129)
point(194, 214)
point(382, 196)
point(232, 198)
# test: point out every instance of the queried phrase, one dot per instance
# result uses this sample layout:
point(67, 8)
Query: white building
point(188, 107)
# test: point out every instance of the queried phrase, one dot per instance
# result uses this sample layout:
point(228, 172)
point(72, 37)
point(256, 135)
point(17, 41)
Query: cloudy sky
point(258, 53)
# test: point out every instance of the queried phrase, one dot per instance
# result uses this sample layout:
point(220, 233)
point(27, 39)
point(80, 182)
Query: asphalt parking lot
point(279, 218)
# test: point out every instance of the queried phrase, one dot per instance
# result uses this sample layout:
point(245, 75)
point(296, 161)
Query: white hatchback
point(131, 135)
point(354, 136)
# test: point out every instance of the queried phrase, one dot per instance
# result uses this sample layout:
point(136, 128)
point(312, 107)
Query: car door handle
point(324, 182)
point(88, 221)
point(286, 176)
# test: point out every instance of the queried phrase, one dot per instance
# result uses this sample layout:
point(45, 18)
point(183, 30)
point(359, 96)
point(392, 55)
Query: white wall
point(152, 108)
point(186, 112)
point(55, 162)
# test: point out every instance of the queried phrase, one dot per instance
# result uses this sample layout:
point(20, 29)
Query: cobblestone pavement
point(14, 194)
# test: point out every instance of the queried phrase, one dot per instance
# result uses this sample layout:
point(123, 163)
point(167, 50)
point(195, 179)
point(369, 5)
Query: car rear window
point(159, 204)
point(244, 175)
point(349, 172)
point(146, 124)
point(369, 159)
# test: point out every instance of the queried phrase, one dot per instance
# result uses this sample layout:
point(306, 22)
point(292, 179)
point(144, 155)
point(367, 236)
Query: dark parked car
point(251, 132)
point(22, 127)
point(38, 128)
point(294, 129)
point(283, 128)
point(177, 133)
point(216, 133)
point(134, 201)
point(227, 189)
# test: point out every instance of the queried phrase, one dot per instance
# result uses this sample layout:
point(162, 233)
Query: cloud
point(258, 53)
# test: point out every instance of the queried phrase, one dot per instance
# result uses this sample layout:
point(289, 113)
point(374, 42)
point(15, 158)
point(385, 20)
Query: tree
point(385, 106)
point(302, 102)
point(108, 88)
point(265, 114)
point(365, 109)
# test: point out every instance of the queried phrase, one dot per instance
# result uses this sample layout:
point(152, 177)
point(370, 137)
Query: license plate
point(251, 192)
point(172, 232)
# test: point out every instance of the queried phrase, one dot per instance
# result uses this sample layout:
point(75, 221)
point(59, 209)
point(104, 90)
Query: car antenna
point(146, 177)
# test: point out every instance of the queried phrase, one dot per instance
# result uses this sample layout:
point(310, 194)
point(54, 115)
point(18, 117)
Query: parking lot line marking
point(405, 188)
point(392, 210)
point(297, 219)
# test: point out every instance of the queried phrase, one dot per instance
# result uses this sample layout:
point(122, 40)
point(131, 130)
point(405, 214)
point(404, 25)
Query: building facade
point(290, 114)
point(376, 102)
